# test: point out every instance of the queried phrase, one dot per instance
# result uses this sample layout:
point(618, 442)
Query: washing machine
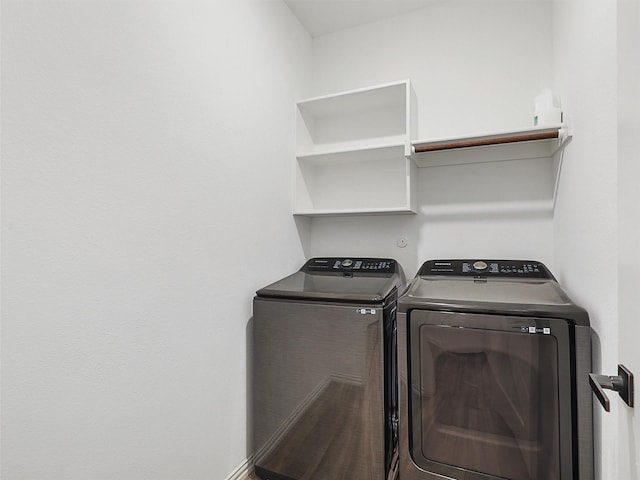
point(494, 360)
point(324, 378)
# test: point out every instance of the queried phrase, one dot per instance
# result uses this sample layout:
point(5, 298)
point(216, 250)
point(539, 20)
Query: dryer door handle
point(622, 383)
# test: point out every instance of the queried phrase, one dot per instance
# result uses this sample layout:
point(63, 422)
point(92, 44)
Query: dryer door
point(491, 396)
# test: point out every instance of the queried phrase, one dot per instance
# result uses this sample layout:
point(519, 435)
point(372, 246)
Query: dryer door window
point(487, 396)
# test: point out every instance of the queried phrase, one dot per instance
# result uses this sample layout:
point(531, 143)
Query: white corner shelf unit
point(534, 142)
point(353, 152)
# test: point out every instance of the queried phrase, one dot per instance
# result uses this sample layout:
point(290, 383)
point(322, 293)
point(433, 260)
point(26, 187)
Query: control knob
point(480, 265)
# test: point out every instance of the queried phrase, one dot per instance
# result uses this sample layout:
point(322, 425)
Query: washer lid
point(504, 291)
point(368, 280)
point(469, 290)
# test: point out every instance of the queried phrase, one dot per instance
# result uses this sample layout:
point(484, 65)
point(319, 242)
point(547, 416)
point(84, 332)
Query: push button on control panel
point(376, 265)
point(522, 269)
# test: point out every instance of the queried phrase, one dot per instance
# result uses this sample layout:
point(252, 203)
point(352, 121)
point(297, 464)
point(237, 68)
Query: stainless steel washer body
point(493, 374)
point(324, 387)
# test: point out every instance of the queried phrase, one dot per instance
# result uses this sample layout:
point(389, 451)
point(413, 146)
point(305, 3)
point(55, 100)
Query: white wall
point(629, 223)
point(476, 67)
point(585, 221)
point(145, 197)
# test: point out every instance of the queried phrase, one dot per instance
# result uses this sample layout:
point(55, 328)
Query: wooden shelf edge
point(482, 142)
point(507, 137)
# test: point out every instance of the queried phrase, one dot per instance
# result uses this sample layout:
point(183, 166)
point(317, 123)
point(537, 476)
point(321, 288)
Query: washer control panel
point(346, 265)
point(486, 268)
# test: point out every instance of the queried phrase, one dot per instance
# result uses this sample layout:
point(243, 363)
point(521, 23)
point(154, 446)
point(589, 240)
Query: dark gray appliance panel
point(318, 389)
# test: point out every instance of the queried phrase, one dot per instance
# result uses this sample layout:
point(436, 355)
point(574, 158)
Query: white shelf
point(381, 183)
point(373, 98)
point(353, 152)
point(356, 154)
point(536, 142)
point(354, 211)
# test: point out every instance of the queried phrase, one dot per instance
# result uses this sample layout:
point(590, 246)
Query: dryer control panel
point(486, 268)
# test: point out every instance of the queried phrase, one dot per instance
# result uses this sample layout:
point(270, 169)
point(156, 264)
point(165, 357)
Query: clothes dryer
point(493, 361)
point(324, 381)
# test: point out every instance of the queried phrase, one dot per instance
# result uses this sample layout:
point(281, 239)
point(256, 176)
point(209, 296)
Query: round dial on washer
point(480, 265)
point(347, 262)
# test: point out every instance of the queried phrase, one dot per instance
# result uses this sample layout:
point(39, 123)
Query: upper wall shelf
point(362, 118)
point(356, 152)
point(353, 152)
point(537, 142)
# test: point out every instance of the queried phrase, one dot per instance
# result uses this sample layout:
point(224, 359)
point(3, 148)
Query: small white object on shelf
point(547, 109)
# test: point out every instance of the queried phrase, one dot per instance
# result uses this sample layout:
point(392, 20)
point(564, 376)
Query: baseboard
point(243, 471)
